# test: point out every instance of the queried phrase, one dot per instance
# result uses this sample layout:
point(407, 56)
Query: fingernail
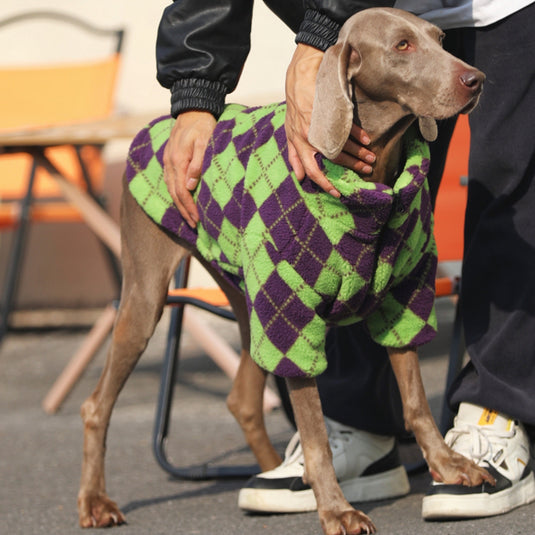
point(370, 158)
point(367, 169)
point(191, 183)
point(366, 140)
point(334, 193)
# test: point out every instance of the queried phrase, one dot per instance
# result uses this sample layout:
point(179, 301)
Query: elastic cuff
point(317, 30)
point(198, 94)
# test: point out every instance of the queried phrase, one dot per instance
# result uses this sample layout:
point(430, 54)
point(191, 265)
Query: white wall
point(262, 80)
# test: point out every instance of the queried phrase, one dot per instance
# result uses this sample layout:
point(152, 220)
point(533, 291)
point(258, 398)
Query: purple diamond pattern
point(233, 209)
point(282, 312)
point(139, 156)
point(287, 368)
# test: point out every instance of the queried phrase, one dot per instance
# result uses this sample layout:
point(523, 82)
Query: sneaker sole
point(389, 484)
point(276, 500)
point(442, 506)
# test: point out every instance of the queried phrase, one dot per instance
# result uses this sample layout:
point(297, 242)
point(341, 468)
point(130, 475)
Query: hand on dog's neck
point(385, 123)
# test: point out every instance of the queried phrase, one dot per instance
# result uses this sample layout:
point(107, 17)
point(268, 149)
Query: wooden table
point(34, 141)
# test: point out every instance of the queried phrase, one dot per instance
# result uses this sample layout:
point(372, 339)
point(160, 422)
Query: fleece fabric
point(304, 259)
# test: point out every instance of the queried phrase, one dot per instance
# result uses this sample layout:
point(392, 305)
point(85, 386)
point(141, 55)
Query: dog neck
point(385, 123)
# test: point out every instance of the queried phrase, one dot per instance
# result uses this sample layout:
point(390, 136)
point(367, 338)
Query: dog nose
point(473, 80)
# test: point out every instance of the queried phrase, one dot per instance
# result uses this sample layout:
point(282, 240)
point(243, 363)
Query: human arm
point(201, 47)
point(200, 50)
point(182, 159)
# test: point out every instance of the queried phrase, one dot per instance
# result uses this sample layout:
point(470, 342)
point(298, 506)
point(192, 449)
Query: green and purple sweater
point(304, 259)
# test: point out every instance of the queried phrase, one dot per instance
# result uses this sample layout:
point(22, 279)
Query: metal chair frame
point(167, 387)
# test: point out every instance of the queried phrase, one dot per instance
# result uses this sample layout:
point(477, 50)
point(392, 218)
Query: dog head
point(394, 61)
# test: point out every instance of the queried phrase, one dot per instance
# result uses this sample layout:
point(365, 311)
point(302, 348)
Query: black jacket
point(202, 44)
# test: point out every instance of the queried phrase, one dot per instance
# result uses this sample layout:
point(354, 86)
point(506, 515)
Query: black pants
point(498, 290)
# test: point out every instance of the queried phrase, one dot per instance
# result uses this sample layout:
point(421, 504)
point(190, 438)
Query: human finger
point(295, 162)
point(176, 160)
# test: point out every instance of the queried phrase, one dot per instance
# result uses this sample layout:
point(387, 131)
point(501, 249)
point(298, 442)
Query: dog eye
point(403, 45)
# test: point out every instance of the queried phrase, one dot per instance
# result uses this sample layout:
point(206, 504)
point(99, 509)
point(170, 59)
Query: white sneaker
point(500, 445)
point(367, 467)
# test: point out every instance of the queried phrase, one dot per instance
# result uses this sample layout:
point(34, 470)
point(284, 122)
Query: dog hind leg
point(149, 258)
point(245, 403)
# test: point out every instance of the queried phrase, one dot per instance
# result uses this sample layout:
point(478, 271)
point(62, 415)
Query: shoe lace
point(478, 443)
point(339, 438)
point(294, 451)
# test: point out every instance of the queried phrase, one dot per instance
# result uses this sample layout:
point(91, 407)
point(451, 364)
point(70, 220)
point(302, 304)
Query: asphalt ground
point(40, 453)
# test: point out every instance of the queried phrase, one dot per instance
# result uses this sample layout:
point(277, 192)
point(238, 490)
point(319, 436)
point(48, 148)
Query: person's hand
point(300, 87)
point(183, 157)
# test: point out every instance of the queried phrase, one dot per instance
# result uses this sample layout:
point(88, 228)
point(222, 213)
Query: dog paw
point(349, 522)
point(459, 470)
point(98, 511)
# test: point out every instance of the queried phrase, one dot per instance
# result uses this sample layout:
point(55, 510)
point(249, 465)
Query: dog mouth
point(472, 104)
point(451, 106)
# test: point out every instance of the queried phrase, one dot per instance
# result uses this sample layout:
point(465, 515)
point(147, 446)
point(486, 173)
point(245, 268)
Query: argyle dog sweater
point(303, 258)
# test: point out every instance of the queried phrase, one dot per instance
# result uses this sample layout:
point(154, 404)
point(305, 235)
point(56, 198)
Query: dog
point(387, 71)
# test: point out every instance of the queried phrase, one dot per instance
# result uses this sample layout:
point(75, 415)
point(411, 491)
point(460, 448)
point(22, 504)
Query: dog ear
point(428, 128)
point(332, 113)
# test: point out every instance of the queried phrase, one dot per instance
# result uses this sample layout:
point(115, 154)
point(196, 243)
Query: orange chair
point(451, 200)
point(50, 93)
point(449, 233)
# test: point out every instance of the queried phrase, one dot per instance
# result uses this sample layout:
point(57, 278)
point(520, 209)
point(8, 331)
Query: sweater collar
point(407, 185)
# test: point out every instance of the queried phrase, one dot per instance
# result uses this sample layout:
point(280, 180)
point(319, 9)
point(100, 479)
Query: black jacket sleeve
point(323, 19)
point(200, 50)
point(202, 44)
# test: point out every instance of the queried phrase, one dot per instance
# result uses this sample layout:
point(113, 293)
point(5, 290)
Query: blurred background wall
point(65, 269)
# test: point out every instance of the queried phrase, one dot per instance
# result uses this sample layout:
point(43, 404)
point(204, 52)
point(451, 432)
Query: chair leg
point(165, 396)
point(80, 360)
point(99, 221)
point(110, 256)
point(16, 255)
point(165, 401)
point(284, 396)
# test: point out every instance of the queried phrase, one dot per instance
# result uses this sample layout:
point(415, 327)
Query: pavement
point(40, 453)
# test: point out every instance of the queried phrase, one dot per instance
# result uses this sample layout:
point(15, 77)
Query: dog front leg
point(245, 402)
point(336, 514)
point(445, 465)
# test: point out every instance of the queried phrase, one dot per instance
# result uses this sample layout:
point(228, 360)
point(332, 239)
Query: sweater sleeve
point(406, 317)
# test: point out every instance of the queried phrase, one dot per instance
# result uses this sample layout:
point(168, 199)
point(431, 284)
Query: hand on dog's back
point(183, 157)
